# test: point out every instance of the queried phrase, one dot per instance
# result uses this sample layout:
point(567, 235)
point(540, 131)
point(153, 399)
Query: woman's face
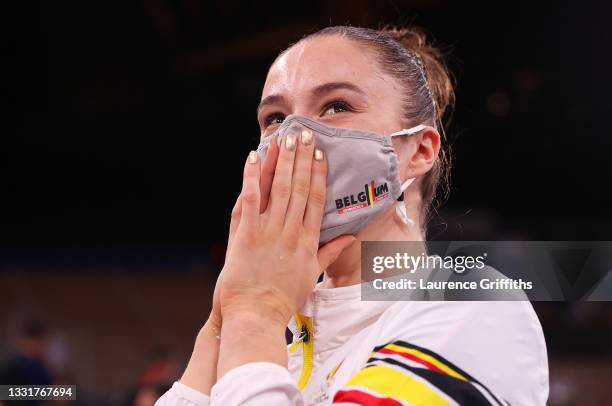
point(333, 80)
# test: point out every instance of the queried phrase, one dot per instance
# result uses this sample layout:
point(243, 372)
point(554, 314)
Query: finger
point(316, 196)
point(234, 222)
point(281, 184)
point(250, 194)
point(329, 252)
point(268, 166)
point(300, 185)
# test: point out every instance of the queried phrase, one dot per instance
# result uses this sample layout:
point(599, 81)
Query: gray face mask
point(362, 178)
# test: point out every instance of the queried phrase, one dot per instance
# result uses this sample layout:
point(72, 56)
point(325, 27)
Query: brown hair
point(406, 54)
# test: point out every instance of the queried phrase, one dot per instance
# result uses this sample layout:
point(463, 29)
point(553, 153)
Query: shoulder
point(517, 316)
point(500, 344)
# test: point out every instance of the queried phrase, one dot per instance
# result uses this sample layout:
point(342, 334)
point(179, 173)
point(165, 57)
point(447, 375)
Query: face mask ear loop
point(409, 131)
point(400, 208)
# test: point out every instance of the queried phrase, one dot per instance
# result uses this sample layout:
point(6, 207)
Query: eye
point(336, 107)
point(274, 118)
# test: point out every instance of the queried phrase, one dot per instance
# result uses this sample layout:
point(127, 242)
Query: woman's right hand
point(274, 258)
point(201, 371)
point(268, 167)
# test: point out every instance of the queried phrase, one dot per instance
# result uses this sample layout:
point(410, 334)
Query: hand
point(273, 260)
point(268, 167)
point(201, 371)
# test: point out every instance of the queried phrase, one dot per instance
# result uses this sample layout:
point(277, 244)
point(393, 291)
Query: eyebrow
point(329, 87)
point(273, 98)
point(317, 91)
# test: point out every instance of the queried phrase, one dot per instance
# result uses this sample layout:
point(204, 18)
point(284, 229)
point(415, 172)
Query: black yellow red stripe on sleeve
point(400, 373)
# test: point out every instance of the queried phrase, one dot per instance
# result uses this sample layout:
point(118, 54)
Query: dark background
point(129, 121)
point(126, 125)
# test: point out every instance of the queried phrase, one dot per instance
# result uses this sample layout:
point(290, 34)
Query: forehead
point(321, 60)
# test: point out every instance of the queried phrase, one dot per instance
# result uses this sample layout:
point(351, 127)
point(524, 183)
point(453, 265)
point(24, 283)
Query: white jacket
point(354, 352)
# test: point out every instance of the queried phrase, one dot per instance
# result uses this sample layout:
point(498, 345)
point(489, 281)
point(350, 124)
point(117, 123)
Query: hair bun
point(411, 38)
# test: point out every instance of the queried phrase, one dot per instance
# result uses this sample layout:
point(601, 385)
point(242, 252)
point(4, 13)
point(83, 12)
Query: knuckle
point(249, 197)
point(236, 213)
point(301, 188)
point(317, 198)
point(291, 238)
point(250, 236)
point(247, 239)
point(281, 191)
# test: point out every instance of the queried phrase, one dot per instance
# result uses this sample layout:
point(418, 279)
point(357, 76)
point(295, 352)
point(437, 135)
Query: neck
point(346, 270)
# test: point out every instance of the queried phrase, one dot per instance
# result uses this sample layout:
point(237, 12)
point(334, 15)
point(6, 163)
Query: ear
point(422, 153)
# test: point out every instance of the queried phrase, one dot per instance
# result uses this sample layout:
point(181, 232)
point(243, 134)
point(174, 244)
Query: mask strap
point(409, 131)
point(400, 208)
point(407, 183)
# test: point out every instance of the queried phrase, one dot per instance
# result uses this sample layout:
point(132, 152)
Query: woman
point(348, 351)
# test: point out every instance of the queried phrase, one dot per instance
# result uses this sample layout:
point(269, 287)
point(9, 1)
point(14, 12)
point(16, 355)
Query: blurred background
point(126, 125)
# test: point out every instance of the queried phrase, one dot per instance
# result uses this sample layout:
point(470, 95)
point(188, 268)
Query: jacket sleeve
point(182, 395)
point(256, 384)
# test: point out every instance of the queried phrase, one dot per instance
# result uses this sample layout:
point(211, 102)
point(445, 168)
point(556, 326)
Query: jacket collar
point(338, 314)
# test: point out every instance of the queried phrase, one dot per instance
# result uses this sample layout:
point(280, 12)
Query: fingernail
point(318, 154)
point(252, 157)
point(307, 137)
point(290, 142)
